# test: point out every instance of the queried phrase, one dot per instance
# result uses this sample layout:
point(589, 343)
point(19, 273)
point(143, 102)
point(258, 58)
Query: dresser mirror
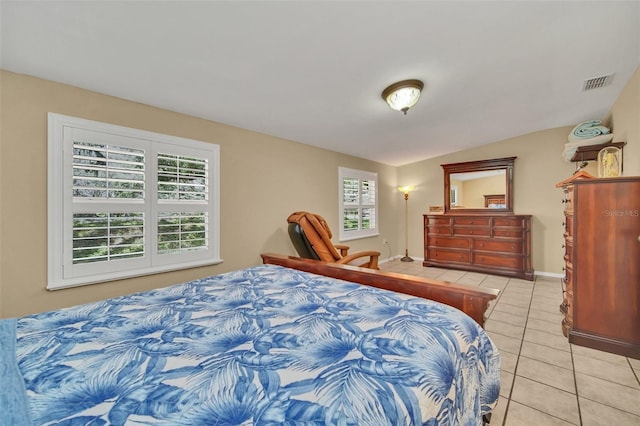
point(484, 186)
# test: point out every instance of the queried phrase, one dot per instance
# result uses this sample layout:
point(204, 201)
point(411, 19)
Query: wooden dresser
point(496, 244)
point(602, 263)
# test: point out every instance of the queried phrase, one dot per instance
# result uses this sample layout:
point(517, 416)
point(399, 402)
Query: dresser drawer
point(508, 221)
point(459, 230)
point(507, 232)
point(439, 230)
point(512, 262)
point(567, 302)
point(449, 256)
point(461, 243)
point(568, 199)
point(568, 225)
point(568, 251)
point(438, 221)
point(475, 221)
point(503, 246)
point(495, 244)
point(568, 280)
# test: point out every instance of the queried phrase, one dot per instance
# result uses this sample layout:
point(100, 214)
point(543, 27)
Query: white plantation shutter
point(358, 204)
point(107, 171)
point(124, 202)
point(99, 237)
point(181, 178)
point(350, 188)
point(182, 232)
point(114, 173)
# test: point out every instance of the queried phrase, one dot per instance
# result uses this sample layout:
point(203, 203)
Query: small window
point(358, 204)
point(453, 195)
point(125, 202)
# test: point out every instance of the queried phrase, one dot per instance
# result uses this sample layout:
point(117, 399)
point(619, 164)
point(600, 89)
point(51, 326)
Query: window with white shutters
point(358, 204)
point(125, 202)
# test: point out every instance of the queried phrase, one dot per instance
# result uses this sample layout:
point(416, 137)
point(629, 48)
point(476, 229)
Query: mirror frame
point(477, 166)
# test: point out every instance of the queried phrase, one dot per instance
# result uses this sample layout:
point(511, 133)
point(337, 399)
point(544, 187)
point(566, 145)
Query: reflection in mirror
point(478, 190)
point(479, 186)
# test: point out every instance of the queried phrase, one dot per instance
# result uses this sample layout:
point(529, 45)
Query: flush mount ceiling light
point(403, 95)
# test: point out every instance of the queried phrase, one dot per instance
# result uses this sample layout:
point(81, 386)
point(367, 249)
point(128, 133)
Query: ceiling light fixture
point(403, 95)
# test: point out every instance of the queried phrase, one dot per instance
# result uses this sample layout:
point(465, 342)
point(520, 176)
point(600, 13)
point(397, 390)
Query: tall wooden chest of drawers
point(494, 244)
point(602, 263)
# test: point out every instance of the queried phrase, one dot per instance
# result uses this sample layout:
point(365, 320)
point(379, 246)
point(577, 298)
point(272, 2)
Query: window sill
point(103, 278)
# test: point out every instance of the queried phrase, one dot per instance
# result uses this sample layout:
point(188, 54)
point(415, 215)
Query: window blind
point(99, 237)
point(181, 178)
point(181, 232)
point(105, 171)
point(126, 202)
point(358, 204)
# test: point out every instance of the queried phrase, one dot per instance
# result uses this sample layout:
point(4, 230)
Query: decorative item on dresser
point(602, 263)
point(610, 162)
point(496, 244)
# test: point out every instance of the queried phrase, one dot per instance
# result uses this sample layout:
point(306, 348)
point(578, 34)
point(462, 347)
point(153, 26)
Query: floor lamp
point(406, 190)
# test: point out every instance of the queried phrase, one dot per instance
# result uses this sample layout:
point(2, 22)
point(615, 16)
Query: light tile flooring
point(545, 380)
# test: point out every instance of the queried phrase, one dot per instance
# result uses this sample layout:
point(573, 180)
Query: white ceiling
point(313, 72)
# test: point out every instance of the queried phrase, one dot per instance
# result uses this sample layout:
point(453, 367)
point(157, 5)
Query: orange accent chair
point(311, 238)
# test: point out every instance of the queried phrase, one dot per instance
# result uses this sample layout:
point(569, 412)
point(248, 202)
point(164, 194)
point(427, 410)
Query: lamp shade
point(403, 95)
point(405, 189)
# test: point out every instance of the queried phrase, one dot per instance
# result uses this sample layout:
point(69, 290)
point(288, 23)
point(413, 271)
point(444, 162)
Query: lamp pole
point(406, 190)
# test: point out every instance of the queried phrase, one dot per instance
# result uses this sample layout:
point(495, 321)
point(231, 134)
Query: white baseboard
point(399, 256)
point(548, 274)
point(420, 259)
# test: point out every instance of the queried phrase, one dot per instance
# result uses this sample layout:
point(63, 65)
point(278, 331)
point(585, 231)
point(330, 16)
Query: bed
point(265, 345)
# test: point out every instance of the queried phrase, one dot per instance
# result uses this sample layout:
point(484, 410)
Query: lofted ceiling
point(313, 71)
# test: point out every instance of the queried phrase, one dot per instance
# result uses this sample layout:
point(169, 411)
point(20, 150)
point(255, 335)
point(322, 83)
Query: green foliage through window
point(107, 171)
point(181, 178)
point(181, 232)
point(100, 237)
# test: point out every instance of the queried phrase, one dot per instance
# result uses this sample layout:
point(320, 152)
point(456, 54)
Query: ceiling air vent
point(597, 82)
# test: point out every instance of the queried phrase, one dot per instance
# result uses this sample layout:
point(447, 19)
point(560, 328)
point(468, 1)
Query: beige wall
point(624, 119)
point(476, 189)
point(263, 180)
point(537, 169)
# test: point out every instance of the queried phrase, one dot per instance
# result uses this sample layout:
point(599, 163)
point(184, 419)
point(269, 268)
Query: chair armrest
point(371, 264)
point(344, 250)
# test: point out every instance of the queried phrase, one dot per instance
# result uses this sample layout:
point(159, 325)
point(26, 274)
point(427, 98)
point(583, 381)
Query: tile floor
point(545, 380)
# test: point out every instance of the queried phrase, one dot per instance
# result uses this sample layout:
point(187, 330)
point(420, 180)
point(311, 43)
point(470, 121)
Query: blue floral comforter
point(261, 346)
